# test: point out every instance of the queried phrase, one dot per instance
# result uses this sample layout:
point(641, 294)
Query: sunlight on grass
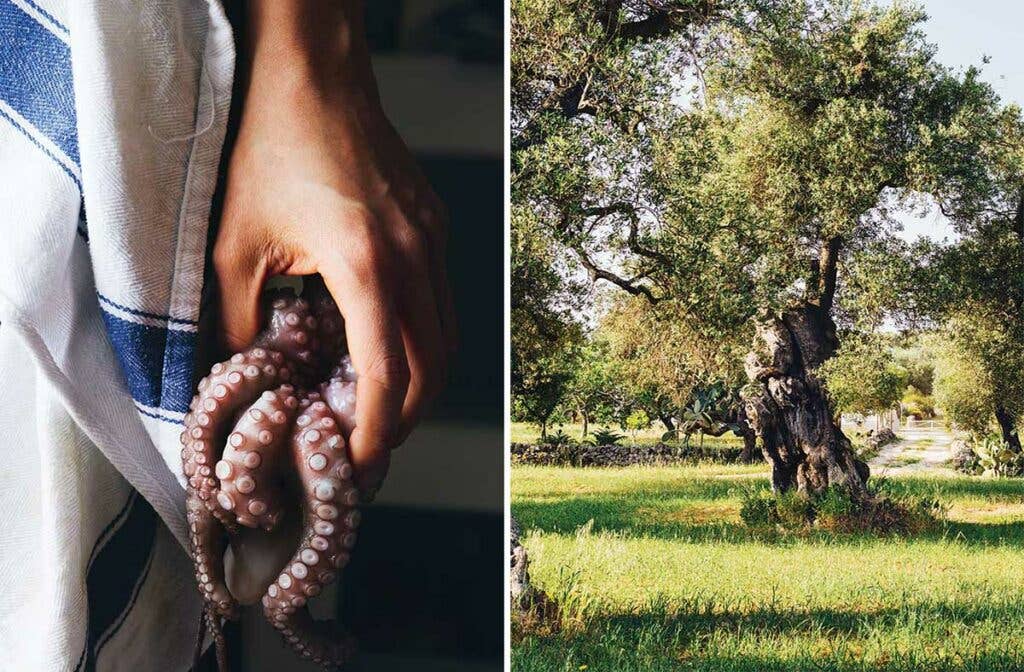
point(670, 580)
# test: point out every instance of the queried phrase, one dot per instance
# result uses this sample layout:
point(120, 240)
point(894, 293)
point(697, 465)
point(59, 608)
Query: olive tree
point(726, 163)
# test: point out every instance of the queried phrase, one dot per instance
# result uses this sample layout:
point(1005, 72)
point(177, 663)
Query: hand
point(320, 182)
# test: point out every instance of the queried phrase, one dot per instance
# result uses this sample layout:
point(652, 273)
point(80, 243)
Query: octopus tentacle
point(285, 405)
point(292, 331)
point(208, 544)
point(340, 394)
point(329, 501)
point(330, 324)
point(230, 386)
point(249, 486)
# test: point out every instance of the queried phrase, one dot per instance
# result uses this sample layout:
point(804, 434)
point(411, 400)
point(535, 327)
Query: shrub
point(556, 440)
point(964, 459)
point(996, 458)
point(758, 509)
point(863, 376)
point(795, 510)
point(836, 510)
point(989, 456)
point(834, 507)
point(606, 437)
point(638, 420)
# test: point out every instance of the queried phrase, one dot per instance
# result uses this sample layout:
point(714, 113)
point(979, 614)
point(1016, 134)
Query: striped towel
point(112, 120)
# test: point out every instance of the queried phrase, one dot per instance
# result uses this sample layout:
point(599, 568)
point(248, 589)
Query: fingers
point(425, 349)
point(378, 354)
point(433, 219)
point(240, 277)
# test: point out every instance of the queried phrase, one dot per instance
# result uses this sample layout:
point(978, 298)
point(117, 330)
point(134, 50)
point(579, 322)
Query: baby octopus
point(265, 441)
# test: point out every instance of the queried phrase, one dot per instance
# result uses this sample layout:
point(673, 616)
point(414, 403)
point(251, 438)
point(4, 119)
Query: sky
point(965, 32)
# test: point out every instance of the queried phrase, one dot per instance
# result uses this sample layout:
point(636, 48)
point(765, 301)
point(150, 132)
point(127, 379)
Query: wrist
point(318, 43)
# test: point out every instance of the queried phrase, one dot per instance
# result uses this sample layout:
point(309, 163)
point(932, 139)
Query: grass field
point(666, 577)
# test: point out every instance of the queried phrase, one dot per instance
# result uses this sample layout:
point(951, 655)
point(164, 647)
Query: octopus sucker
point(266, 435)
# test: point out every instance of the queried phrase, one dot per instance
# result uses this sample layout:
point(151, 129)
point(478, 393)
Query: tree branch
point(665, 21)
point(597, 273)
point(828, 272)
point(633, 238)
point(1018, 218)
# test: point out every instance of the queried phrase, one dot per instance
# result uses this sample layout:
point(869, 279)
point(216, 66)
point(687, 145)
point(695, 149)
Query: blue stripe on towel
point(156, 361)
point(31, 138)
point(118, 567)
point(49, 17)
point(35, 78)
point(143, 313)
point(177, 371)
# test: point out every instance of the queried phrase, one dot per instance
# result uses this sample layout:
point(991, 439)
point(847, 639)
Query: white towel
point(112, 120)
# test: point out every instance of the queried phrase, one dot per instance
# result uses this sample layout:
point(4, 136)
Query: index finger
point(378, 355)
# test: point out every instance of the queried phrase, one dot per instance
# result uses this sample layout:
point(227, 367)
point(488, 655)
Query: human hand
point(320, 182)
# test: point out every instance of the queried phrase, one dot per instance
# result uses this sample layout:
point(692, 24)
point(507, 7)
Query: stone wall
point(882, 437)
point(616, 456)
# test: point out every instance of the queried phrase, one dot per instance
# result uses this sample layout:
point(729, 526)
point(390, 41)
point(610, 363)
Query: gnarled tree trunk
point(745, 430)
point(1008, 429)
point(519, 569)
point(787, 406)
point(529, 603)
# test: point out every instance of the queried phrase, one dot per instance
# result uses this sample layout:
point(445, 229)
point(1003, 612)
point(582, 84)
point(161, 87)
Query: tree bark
point(519, 569)
point(1008, 428)
point(787, 406)
point(529, 603)
point(666, 420)
point(749, 437)
point(749, 453)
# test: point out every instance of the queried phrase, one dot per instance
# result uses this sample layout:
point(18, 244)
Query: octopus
point(265, 457)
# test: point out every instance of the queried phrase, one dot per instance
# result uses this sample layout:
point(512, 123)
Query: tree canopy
point(722, 163)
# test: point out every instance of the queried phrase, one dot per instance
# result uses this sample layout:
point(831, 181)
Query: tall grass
point(661, 574)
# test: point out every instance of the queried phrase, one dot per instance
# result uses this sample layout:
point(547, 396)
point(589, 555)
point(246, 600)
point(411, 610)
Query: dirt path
point(922, 447)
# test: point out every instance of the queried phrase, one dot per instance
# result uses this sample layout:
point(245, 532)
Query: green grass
point(666, 577)
point(904, 460)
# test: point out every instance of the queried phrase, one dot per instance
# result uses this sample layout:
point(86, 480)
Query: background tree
point(545, 338)
point(832, 102)
point(863, 376)
point(974, 286)
point(594, 392)
point(962, 387)
point(736, 201)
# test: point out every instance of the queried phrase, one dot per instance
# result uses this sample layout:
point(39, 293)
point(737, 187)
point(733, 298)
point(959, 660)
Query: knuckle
point(389, 370)
point(224, 255)
point(368, 257)
point(412, 243)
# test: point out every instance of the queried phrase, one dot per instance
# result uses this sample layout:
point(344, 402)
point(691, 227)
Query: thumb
point(240, 277)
